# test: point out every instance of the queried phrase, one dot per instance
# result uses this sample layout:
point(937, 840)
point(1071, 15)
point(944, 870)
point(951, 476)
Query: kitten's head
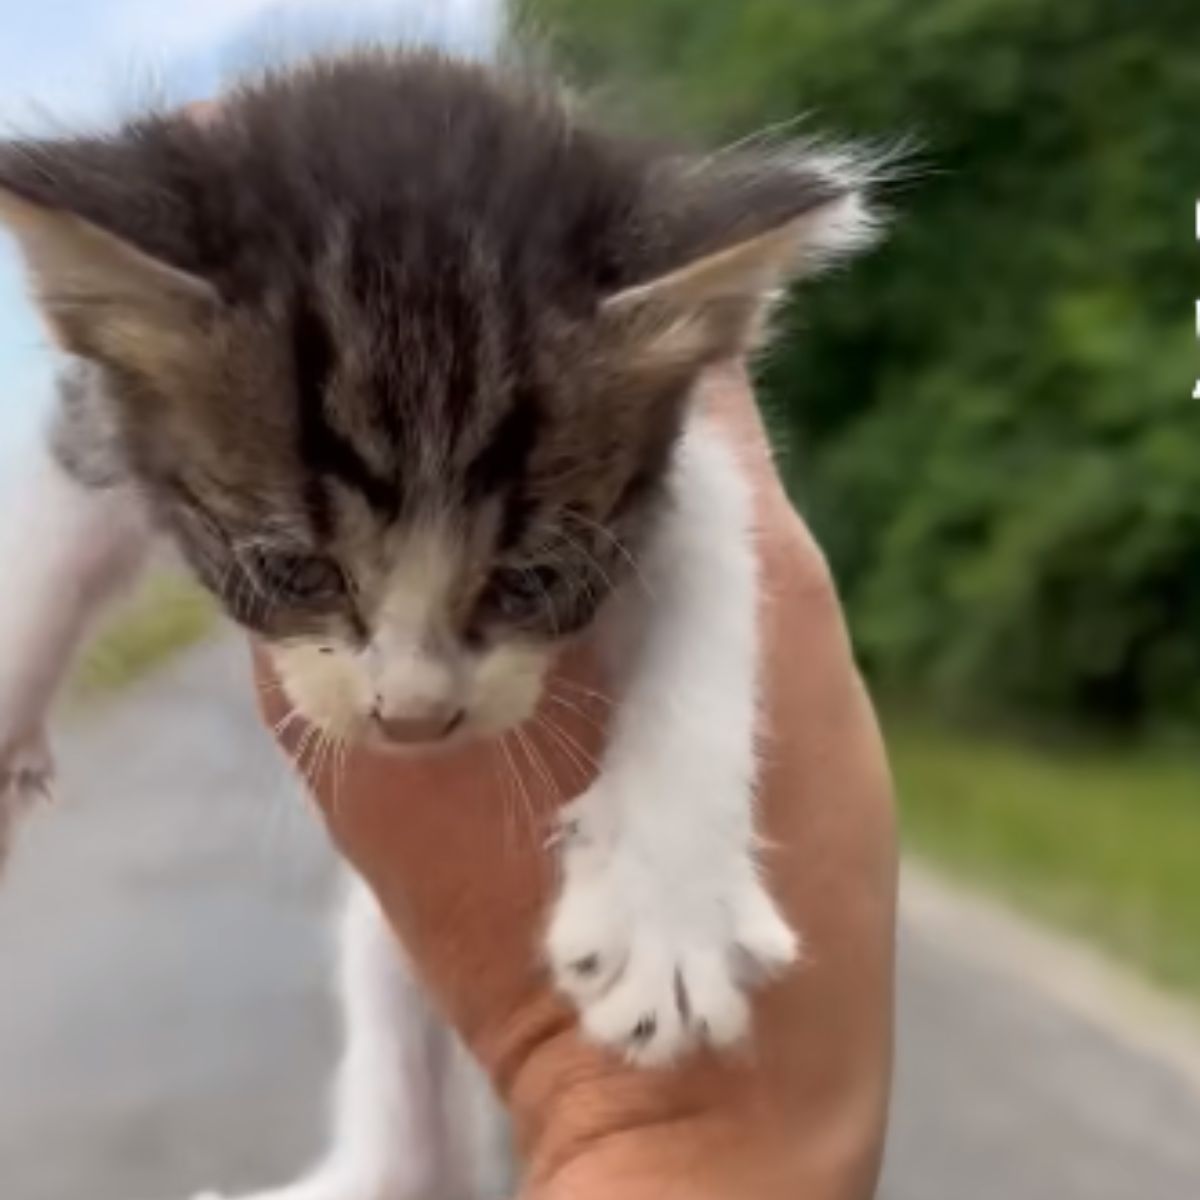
point(399, 353)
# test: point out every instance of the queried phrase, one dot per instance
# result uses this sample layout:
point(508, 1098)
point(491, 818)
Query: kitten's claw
point(658, 964)
point(26, 777)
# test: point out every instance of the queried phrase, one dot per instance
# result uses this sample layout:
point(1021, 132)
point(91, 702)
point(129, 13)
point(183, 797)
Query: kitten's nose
point(430, 726)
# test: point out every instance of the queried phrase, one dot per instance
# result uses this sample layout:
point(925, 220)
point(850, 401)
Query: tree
point(989, 421)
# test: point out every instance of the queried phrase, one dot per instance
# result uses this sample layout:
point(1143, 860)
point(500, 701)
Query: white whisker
point(320, 755)
point(539, 765)
point(576, 755)
point(617, 545)
point(504, 776)
point(285, 722)
point(530, 820)
point(586, 692)
point(341, 750)
point(577, 709)
point(589, 557)
point(307, 739)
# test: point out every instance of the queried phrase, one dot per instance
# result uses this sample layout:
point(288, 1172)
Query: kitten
point(401, 354)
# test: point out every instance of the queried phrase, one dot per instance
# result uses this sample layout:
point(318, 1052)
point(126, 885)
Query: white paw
point(656, 956)
point(26, 776)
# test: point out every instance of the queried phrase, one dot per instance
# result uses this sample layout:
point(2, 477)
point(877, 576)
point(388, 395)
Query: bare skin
point(454, 849)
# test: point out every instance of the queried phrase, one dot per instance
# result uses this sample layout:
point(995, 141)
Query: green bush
point(990, 419)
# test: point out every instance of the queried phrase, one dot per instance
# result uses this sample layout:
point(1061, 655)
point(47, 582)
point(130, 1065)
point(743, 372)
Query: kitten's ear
point(104, 298)
point(714, 306)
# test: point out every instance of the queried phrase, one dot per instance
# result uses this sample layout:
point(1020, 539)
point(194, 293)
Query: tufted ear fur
point(104, 298)
point(714, 306)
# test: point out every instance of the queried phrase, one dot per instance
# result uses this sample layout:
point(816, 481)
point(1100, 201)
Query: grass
point(167, 614)
point(1102, 841)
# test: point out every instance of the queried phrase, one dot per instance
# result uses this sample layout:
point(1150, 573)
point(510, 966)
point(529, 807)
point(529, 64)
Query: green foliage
point(991, 417)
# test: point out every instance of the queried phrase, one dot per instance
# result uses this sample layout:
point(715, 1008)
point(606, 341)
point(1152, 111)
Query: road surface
point(165, 1024)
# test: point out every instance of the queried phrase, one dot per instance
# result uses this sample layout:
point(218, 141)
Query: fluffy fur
point(401, 355)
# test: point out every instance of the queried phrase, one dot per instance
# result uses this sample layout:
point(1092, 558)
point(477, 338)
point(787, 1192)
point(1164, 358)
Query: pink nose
point(413, 731)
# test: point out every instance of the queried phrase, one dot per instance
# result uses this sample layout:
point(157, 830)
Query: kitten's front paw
point(658, 954)
point(26, 776)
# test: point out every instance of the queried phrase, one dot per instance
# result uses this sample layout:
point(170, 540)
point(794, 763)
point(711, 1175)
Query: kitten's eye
point(305, 578)
point(519, 594)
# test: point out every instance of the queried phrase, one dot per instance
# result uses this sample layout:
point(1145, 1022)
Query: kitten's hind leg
point(65, 548)
point(407, 1119)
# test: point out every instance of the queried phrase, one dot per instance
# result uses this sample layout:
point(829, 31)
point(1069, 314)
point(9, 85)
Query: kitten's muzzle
point(430, 727)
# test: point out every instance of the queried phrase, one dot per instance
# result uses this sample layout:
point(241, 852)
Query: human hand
point(453, 845)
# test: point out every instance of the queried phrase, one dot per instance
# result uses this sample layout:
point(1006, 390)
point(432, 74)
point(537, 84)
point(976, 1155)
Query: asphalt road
point(165, 1024)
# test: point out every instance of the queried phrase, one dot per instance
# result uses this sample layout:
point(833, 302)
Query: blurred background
point(988, 421)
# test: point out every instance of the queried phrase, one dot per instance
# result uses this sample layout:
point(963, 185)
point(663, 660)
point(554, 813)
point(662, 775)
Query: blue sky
point(73, 63)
